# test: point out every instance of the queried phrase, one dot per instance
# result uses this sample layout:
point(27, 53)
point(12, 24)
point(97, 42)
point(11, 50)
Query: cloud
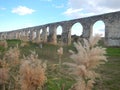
point(22, 10)
point(2, 8)
point(71, 11)
point(92, 7)
point(58, 6)
point(112, 4)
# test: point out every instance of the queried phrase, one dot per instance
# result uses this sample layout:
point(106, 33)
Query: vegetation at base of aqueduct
point(110, 71)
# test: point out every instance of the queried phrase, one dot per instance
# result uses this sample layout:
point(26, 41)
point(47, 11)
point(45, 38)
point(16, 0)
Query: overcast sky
point(16, 14)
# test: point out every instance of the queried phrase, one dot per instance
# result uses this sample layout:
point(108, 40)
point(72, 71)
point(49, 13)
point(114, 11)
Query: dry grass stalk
point(24, 43)
point(12, 56)
point(4, 72)
point(32, 73)
point(24, 38)
point(88, 57)
point(4, 43)
point(60, 53)
point(3, 75)
point(10, 66)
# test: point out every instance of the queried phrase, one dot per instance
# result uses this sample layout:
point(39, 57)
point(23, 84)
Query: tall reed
point(87, 58)
point(32, 72)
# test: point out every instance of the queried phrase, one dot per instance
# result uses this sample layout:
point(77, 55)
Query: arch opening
point(59, 33)
point(19, 34)
point(48, 32)
point(76, 31)
point(41, 34)
point(34, 35)
point(99, 28)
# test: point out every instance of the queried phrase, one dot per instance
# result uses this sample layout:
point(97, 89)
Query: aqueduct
point(111, 21)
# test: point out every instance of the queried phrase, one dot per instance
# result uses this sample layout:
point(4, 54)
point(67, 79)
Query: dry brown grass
point(28, 73)
point(4, 43)
point(32, 73)
point(24, 43)
point(3, 75)
point(12, 56)
point(87, 58)
point(21, 74)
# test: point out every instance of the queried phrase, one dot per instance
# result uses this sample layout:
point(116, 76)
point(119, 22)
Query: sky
point(17, 14)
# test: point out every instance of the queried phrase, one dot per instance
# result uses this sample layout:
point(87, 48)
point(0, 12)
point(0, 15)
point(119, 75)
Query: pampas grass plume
point(87, 58)
point(32, 73)
point(3, 75)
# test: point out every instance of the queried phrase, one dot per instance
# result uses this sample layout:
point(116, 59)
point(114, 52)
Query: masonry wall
point(49, 35)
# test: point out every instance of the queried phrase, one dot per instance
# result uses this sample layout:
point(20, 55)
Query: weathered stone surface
point(112, 30)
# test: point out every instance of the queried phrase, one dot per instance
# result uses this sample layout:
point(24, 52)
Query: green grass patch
point(2, 49)
point(13, 42)
point(113, 51)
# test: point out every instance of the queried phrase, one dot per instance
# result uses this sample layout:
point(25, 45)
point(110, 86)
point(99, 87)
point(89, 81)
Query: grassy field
point(57, 80)
point(110, 72)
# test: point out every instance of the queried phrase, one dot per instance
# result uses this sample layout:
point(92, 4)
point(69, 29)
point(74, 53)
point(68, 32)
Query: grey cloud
point(92, 7)
point(113, 4)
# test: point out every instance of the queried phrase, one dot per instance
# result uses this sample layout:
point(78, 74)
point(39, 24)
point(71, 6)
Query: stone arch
point(20, 34)
point(48, 32)
point(34, 34)
point(28, 34)
point(3, 36)
point(16, 35)
point(76, 31)
point(98, 28)
point(41, 31)
point(41, 35)
point(59, 31)
point(23, 36)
